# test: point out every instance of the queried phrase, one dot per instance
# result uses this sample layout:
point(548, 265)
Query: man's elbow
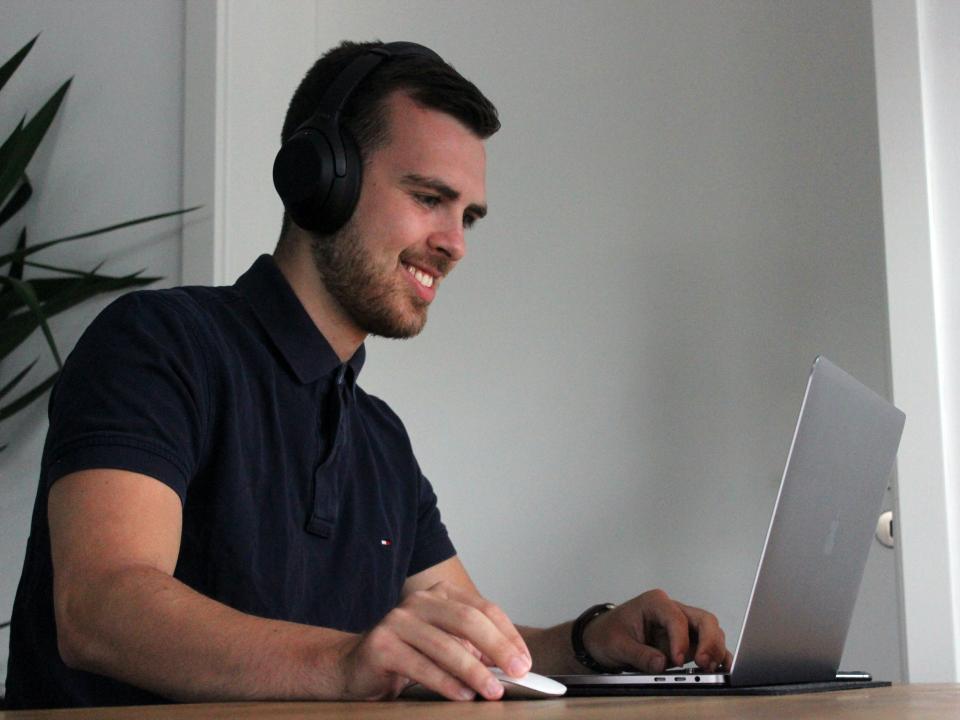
point(72, 641)
point(86, 622)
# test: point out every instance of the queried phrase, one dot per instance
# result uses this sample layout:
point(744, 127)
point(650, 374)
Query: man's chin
point(396, 328)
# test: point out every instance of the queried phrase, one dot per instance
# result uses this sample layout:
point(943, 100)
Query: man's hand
point(653, 632)
point(442, 637)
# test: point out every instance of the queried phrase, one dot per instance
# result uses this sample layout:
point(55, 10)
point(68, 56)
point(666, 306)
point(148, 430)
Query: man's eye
point(468, 221)
point(427, 200)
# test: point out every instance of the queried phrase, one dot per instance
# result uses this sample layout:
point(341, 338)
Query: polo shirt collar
point(285, 320)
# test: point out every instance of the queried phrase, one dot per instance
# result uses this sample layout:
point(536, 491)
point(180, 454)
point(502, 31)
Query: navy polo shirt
point(302, 499)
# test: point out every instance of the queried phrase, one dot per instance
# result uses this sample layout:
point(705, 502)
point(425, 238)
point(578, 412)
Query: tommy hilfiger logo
point(386, 542)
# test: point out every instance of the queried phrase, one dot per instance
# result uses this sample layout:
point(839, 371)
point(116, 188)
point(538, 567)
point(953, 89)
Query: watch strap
point(576, 637)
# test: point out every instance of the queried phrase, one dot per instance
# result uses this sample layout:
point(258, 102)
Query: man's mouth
point(425, 279)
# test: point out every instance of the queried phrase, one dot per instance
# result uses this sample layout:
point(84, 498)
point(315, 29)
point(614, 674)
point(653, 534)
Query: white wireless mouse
point(529, 686)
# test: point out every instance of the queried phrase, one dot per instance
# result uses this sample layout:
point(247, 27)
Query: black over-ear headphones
point(318, 169)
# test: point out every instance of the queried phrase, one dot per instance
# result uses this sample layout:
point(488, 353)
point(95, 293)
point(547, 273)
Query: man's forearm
point(146, 628)
point(552, 650)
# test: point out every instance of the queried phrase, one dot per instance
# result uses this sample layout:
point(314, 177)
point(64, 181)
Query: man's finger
point(471, 648)
point(448, 652)
point(417, 667)
point(641, 656)
point(493, 611)
point(711, 642)
point(667, 613)
point(659, 638)
point(727, 660)
point(497, 638)
point(470, 623)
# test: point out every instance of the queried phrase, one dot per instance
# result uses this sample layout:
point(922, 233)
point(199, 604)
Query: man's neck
point(301, 273)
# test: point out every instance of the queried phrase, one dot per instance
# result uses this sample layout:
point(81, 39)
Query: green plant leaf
point(91, 285)
point(16, 269)
point(44, 288)
point(49, 288)
point(27, 141)
point(10, 143)
point(6, 389)
point(19, 199)
point(14, 330)
point(52, 289)
point(70, 271)
point(23, 289)
point(11, 65)
point(21, 402)
point(94, 285)
point(14, 256)
point(17, 328)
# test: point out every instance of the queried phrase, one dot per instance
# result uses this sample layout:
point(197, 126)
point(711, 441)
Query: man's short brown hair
point(430, 82)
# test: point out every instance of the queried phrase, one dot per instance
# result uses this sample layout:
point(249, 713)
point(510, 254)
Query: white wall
point(940, 59)
point(918, 99)
point(685, 210)
point(113, 154)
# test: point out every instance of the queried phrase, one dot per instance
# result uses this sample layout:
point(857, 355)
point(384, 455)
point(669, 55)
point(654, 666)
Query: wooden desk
point(901, 701)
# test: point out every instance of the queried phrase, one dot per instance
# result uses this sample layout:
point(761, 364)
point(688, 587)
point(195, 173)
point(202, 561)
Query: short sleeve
point(433, 544)
point(133, 395)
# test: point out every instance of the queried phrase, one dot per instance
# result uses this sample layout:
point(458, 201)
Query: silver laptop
point(823, 522)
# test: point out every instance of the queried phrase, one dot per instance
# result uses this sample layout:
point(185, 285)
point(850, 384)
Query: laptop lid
point(830, 495)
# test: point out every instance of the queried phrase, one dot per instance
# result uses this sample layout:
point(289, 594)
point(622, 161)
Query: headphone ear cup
point(305, 178)
point(344, 190)
point(303, 173)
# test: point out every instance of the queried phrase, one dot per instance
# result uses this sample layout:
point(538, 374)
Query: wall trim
point(926, 560)
point(204, 147)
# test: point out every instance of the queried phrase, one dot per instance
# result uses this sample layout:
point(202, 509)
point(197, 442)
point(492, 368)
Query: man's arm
point(115, 539)
point(648, 633)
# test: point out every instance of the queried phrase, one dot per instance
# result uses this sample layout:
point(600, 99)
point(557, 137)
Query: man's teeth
point(422, 277)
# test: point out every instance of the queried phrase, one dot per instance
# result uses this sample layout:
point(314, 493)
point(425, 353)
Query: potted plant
point(27, 303)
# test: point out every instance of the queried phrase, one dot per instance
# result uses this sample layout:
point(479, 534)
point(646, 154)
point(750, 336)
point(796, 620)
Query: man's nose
point(450, 242)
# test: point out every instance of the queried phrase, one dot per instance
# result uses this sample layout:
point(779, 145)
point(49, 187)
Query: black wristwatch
point(576, 637)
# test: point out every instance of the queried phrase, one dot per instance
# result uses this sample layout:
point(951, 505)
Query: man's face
point(420, 192)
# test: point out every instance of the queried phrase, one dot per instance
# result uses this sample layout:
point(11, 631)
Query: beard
point(373, 300)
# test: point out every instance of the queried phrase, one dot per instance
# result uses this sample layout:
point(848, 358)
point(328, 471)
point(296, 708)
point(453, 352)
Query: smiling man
point(223, 513)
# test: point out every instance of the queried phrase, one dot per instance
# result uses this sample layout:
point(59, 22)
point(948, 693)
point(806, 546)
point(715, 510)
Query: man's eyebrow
point(444, 190)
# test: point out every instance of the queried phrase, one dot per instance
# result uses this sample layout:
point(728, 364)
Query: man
point(224, 514)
